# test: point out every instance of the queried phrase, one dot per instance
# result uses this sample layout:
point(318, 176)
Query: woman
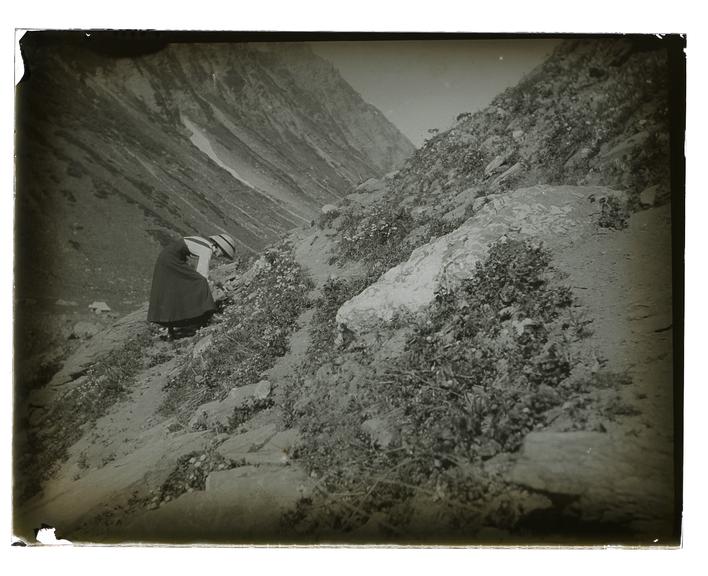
point(180, 295)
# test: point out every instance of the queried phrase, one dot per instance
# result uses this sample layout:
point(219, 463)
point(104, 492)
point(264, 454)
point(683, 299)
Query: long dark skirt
point(180, 296)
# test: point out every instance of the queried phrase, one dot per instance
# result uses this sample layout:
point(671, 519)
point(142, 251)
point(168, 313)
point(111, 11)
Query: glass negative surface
point(454, 315)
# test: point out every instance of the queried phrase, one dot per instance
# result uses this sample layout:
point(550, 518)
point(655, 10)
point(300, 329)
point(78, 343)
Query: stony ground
point(412, 365)
point(138, 475)
point(622, 475)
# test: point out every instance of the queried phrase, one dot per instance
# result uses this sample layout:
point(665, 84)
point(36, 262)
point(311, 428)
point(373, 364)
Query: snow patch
point(200, 140)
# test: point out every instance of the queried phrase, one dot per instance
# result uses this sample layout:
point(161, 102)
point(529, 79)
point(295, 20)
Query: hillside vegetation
point(474, 349)
point(120, 150)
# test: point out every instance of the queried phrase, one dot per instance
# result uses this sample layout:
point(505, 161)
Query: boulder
point(99, 307)
point(201, 346)
point(328, 208)
point(557, 215)
point(611, 477)
point(512, 171)
point(262, 390)
point(497, 162)
point(648, 196)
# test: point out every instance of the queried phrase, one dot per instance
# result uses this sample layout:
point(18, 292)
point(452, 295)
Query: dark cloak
point(179, 293)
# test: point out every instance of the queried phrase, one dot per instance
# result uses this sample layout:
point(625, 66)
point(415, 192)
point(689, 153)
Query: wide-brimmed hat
point(226, 243)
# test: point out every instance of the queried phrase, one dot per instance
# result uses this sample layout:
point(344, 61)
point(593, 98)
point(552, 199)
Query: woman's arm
point(201, 249)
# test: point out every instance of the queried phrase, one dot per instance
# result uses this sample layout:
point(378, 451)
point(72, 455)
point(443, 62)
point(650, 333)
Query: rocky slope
point(446, 356)
point(118, 150)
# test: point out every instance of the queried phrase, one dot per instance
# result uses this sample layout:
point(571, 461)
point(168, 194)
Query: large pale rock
point(613, 477)
point(648, 196)
point(557, 215)
point(99, 307)
point(262, 390)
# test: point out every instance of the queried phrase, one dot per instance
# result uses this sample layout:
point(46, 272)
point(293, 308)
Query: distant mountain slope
point(116, 154)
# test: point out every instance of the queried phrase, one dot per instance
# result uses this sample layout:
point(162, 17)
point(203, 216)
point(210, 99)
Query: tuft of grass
point(189, 474)
point(376, 236)
point(335, 292)
point(613, 214)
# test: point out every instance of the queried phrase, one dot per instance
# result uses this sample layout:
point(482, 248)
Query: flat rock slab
point(283, 486)
point(613, 477)
point(248, 442)
point(262, 390)
point(220, 410)
point(261, 446)
point(147, 467)
point(242, 505)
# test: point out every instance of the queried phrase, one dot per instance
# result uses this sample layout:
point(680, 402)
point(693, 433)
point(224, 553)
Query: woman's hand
point(217, 291)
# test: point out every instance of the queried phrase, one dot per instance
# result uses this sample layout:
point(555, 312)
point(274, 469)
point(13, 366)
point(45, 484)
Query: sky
point(424, 84)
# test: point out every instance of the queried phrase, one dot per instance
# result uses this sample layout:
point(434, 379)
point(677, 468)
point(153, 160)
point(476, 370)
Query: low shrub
point(377, 236)
point(254, 332)
point(613, 214)
point(323, 328)
point(189, 474)
point(476, 375)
